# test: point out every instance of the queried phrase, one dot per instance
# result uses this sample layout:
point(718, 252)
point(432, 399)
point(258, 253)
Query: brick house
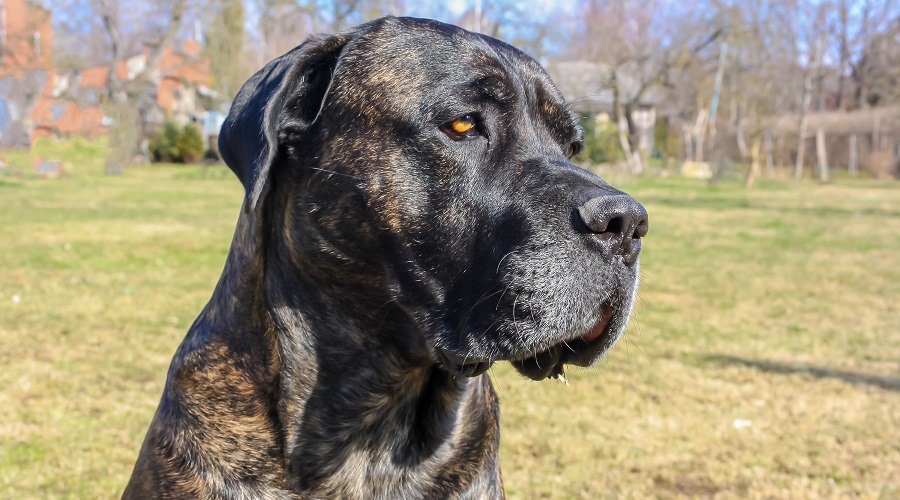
point(37, 101)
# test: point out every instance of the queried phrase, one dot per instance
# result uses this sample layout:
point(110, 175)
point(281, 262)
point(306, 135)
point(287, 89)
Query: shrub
point(668, 145)
point(177, 144)
point(162, 144)
point(190, 144)
point(601, 141)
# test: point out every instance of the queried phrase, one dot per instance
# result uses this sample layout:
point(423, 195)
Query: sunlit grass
point(764, 358)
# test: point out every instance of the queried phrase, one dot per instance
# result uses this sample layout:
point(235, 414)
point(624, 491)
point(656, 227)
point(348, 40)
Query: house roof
point(587, 85)
point(584, 85)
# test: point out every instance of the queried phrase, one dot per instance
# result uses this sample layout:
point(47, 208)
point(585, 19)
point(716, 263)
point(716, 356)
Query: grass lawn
point(763, 360)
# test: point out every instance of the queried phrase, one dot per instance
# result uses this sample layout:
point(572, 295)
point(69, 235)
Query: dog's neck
point(361, 409)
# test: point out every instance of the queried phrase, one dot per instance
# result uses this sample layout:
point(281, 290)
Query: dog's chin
point(584, 350)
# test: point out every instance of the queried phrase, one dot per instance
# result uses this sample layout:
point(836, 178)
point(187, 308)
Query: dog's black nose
point(619, 222)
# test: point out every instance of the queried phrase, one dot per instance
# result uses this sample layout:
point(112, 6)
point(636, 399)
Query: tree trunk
point(688, 140)
point(124, 96)
point(853, 163)
point(634, 140)
point(801, 132)
point(821, 155)
point(769, 156)
point(812, 69)
point(739, 131)
point(700, 134)
point(801, 151)
point(124, 134)
point(844, 43)
point(630, 158)
point(714, 105)
point(876, 134)
point(753, 173)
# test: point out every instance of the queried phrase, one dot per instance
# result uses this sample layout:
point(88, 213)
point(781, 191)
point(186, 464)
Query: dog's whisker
point(334, 172)
point(391, 300)
point(484, 296)
point(501, 261)
point(502, 294)
point(636, 346)
point(490, 326)
point(496, 382)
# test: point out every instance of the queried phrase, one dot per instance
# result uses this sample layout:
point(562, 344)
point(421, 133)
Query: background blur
point(763, 137)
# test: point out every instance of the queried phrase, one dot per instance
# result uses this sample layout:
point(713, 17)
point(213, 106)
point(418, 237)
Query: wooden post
point(821, 155)
point(876, 134)
point(853, 166)
point(779, 146)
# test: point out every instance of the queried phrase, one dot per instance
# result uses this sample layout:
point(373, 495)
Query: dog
point(411, 216)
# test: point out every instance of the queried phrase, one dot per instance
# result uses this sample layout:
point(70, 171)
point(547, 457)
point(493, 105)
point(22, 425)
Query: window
point(57, 109)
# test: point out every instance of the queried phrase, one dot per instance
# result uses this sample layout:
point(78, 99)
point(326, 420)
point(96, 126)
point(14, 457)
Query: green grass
point(775, 309)
point(79, 157)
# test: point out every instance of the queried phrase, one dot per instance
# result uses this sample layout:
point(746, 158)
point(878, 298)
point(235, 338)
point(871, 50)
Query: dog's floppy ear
point(286, 96)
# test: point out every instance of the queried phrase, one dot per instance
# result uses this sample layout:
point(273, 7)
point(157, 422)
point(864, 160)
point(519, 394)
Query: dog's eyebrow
point(493, 87)
point(571, 123)
point(558, 117)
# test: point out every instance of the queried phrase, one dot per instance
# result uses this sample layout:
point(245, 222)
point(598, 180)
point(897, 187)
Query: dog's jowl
point(411, 217)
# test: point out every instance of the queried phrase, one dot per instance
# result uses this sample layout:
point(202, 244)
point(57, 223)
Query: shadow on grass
point(883, 382)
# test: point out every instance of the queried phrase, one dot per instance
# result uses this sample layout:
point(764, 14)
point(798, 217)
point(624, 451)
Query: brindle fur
point(377, 269)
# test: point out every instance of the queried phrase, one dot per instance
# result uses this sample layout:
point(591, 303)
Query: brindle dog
point(411, 217)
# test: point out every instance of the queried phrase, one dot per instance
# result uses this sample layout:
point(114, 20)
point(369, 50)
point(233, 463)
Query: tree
point(117, 29)
point(286, 23)
point(641, 45)
point(810, 37)
point(758, 75)
point(225, 46)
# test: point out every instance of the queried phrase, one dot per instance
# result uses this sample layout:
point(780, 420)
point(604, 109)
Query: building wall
point(26, 68)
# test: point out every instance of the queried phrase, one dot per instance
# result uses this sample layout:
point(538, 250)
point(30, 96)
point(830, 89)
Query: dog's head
point(435, 162)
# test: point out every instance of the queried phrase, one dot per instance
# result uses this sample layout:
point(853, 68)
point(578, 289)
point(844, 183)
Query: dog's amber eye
point(461, 127)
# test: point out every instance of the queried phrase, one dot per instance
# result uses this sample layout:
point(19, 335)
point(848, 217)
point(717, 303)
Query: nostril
point(641, 229)
point(615, 225)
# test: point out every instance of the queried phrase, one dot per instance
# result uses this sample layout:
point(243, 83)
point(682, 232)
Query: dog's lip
point(601, 326)
point(580, 351)
point(547, 363)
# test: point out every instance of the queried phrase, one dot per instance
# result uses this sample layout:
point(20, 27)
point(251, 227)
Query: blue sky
point(538, 7)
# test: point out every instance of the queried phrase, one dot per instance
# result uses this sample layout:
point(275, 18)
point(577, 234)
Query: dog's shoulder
point(214, 432)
